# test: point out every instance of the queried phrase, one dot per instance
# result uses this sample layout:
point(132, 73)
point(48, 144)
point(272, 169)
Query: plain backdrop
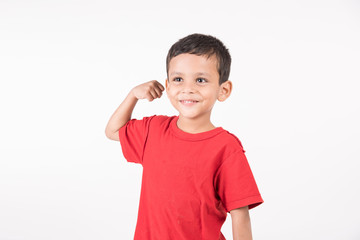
point(65, 66)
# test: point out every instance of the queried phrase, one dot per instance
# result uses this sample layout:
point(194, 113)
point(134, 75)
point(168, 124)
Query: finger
point(161, 87)
point(157, 84)
point(149, 97)
point(158, 92)
point(152, 94)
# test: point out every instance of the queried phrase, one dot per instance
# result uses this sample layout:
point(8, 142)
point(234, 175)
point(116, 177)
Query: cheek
point(211, 94)
point(170, 94)
point(172, 90)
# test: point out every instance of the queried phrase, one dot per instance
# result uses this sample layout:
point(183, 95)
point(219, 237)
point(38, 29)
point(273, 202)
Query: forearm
point(149, 90)
point(241, 224)
point(121, 116)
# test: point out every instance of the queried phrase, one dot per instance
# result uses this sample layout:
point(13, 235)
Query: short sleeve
point(133, 136)
point(235, 183)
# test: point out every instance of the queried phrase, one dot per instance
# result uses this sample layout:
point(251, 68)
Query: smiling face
point(193, 86)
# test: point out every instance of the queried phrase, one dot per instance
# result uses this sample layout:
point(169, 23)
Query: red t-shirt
point(189, 181)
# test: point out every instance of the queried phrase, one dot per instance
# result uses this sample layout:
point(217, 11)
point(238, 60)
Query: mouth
point(188, 102)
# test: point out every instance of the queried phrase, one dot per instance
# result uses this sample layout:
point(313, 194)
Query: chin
point(189, 115)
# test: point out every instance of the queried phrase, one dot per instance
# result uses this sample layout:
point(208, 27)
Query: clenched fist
point(149, 90)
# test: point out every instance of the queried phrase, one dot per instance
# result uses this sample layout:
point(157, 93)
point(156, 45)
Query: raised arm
point(149, 90)
point(241, 225)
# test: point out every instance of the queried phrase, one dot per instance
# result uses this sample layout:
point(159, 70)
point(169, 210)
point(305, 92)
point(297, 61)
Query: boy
point(193, 172)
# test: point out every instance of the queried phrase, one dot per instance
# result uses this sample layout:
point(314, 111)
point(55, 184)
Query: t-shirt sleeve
point(133, 136)
point(235, 183)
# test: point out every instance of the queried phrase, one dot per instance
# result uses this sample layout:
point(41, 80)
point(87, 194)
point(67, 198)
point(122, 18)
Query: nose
point(188, 87)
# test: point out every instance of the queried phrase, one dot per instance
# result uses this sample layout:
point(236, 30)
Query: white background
point(65, 66)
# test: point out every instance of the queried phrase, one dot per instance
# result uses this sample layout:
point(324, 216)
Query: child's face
point(193, 85)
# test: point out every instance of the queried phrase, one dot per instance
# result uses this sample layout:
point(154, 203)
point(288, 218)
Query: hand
point(149, 90)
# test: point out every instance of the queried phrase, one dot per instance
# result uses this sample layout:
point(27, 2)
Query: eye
point(201, 80)
point(177, 79)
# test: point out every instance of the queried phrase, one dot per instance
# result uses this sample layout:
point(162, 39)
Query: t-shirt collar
point(193, 136)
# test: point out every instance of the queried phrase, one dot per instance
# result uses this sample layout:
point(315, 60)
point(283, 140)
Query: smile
point(188, 102)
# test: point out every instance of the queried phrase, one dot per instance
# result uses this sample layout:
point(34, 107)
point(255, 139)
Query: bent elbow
point(112, 135)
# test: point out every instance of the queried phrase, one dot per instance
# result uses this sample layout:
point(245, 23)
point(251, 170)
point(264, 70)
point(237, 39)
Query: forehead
point(186, 63)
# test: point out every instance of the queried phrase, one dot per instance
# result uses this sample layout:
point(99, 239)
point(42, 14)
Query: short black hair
point(200, 44)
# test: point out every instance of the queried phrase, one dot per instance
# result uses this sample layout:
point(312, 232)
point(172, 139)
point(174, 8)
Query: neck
point(194, 126)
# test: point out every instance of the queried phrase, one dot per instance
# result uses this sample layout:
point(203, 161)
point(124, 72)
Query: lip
point(188, 102)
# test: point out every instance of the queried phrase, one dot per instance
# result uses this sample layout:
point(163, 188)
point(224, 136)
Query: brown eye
point(201, 80)
point(177, 80)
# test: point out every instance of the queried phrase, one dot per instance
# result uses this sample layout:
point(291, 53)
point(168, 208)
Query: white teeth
point(187, 101)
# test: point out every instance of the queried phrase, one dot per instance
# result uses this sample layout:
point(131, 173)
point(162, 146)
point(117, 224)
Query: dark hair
point(200, 44)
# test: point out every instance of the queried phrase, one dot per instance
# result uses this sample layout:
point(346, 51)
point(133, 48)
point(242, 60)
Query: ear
point(225, 90)
point(166, 85)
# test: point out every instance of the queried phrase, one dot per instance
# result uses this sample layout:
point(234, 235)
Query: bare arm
point(241, 225)
point(149, 90)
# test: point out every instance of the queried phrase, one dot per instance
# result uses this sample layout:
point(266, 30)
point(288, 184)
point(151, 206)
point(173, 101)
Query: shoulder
point(231, 141)
point(159, 121)
point(155, 118)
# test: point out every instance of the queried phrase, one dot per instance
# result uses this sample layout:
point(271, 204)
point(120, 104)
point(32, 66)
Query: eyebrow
point(197, 74)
